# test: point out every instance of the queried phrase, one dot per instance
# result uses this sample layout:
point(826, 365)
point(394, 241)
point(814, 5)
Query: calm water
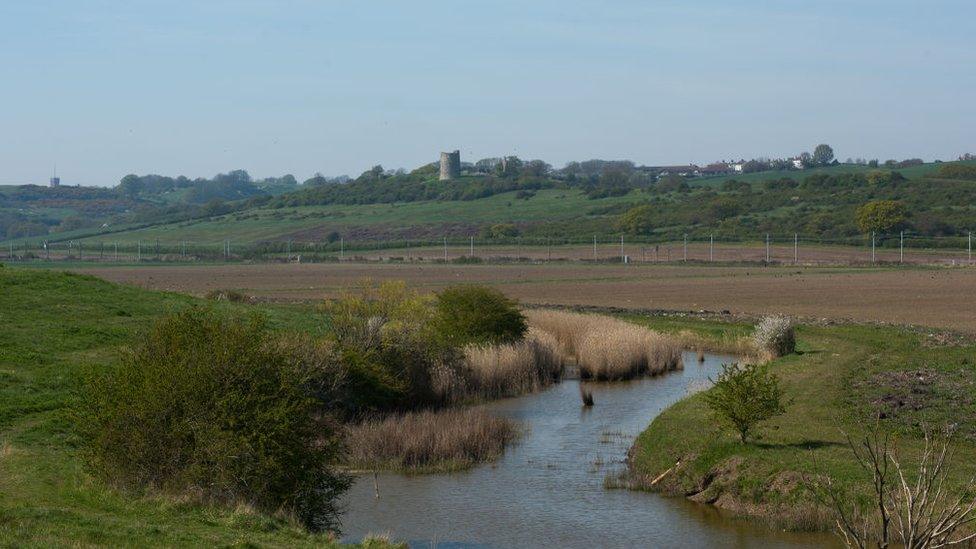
point(547, 491)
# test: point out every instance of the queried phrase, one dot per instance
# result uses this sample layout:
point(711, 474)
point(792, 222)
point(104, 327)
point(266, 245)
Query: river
point(547, 490)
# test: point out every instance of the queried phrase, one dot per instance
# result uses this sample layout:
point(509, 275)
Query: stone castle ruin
point(450, 165)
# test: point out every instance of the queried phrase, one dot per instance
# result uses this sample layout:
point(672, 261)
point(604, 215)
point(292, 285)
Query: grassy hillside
point(427, 219)
point(818, 203)
point(55, 327)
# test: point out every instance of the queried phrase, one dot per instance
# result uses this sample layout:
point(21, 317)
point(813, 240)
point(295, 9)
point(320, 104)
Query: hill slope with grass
point(57, 327)
point(816, 203)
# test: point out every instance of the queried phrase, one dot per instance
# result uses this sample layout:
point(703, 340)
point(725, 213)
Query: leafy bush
point(387, 338)
point(881, 215)
point(213, 408)
point(479, 315)
point(745, 395)
point(775, 336)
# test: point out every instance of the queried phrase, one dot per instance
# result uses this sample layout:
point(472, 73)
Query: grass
point(429, 441)
point(54, 326)
point(271, 224)
point(607, 348)
point(842, 376)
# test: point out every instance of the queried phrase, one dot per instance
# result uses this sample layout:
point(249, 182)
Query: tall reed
point(445, 440)
point(607, 348)
point(496, 371)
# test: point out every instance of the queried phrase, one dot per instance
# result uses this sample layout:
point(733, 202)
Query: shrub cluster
point(214, 408)
point(775, 336)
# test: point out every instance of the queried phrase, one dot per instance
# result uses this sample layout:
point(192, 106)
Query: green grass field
point(56, 326)
point(279, 224)
point(839, 377)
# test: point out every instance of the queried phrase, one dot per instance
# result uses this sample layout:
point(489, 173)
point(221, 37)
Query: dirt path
point(929, 297)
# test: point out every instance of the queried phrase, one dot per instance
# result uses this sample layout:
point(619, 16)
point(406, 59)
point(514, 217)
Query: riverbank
point(841, 376)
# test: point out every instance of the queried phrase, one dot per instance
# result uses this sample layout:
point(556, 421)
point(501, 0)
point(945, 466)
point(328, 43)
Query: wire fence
point(900, 248)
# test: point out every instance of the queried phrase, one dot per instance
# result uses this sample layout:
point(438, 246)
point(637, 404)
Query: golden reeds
point(449, 439)
point(497, 371)
point(608, 348)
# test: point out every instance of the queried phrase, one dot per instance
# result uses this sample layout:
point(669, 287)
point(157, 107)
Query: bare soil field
point(784, 253)
point(935, 297)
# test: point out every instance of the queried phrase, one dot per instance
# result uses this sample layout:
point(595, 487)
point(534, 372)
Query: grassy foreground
point(841, 376)
point(55, 326)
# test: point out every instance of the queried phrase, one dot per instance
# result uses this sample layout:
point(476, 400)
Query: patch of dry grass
point(608, 348)
point(427, 441)
point(497, 371)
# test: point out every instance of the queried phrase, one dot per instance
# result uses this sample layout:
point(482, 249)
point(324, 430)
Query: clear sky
point(199, 87)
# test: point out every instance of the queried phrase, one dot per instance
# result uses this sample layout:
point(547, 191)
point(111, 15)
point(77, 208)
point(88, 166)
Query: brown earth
point(935, 297)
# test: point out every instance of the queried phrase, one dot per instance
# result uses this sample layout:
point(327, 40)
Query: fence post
point(139, 251)
point(471, 248)
point(686, 247)
point(548, 248)
point(622, 256)
point(767, 247)
point(711, 247)
point(594, 247)
point(901, 247)
point(518, 247)
point(445, 248)
point(872, 247)
point(795, 239)
point(970, 249)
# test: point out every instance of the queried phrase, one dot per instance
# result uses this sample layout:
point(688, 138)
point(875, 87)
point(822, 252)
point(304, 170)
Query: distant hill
point(819, 202)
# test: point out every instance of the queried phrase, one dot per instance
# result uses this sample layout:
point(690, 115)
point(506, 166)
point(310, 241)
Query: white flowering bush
point(775, 336)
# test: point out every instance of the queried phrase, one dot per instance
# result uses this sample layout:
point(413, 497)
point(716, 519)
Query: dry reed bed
point(527, 366)
point(445, 440)
point(606, 348)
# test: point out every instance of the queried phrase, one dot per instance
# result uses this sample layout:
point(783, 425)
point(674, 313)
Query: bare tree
point(917, 507)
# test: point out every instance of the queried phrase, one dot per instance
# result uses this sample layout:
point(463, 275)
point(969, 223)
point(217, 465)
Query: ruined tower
point(450, 165)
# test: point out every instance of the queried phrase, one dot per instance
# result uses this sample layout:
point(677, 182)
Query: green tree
point(637, 220)
point(130, 185)
point(500, 230)
point(823, 154)
point(470, 314)
point(744, 396)
point(881, 216)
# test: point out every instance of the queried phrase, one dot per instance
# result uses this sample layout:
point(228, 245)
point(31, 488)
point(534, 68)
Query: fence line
point(767, 248)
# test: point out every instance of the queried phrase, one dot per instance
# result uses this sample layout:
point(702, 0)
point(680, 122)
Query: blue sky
point(195, 88)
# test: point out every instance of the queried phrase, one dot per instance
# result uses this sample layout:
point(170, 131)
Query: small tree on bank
point(744, 396)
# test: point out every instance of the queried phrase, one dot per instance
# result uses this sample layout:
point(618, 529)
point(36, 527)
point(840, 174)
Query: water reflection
point(548, 490)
